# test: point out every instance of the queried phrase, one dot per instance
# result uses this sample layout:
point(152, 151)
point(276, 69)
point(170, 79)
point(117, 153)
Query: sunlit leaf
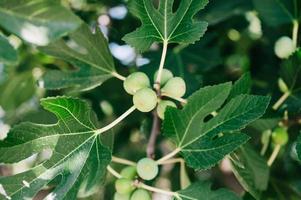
point(37, 21)
point(204, 143)
point(78, 156)
point(90, 55)
point(164, 24)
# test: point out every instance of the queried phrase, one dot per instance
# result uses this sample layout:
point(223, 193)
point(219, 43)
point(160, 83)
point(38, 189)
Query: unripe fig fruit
point(145, 100)
point(135, 82)
point(147, 168)
point(165, 76)
point(175, 87)
point(118, 196)
point(284, 47)
point(128, 172)
point(280, 136)
point(124, 186)
point(162, 107)
point(141, 194)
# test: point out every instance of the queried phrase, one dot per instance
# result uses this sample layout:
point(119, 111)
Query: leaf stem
point(157, 190)
point(119, 76)
point(172, 161)
point(142, 185)
point(113, 172)
point(168, 156)
point(295, 32)
point(115, 122)
point(281, 100)
point(274, 154)
point(123, 161)
point(161, 66)
point(179, 99)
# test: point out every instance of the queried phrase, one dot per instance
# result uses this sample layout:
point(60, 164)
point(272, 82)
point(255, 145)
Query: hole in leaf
point(175, 5)
point(208, 117)
point(217, 136)
point(156, 3)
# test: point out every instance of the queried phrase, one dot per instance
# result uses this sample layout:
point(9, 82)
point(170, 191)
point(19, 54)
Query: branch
point(150, 150)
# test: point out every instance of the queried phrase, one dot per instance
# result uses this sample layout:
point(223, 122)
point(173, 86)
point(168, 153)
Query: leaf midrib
point(87, 62)
point(76, 119)
point(58, 163)
point(214, 127)
point(193, 117)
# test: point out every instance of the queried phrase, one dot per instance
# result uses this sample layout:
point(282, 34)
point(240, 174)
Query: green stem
point(161, 66)
point(295, 33)
point(157, 190)
point(281, 100)
point(179, 99)
point(113, 172)
point(123, 161)
point(142, 185)
point(117, 121)
point(119, 76)
point(168, 156)
point(274, 154)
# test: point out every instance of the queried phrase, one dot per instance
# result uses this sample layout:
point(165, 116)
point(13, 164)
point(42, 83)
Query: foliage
point(84, 90)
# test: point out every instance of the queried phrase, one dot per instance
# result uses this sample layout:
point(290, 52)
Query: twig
point(123, 161)
point(115, 122)
point(150, 150)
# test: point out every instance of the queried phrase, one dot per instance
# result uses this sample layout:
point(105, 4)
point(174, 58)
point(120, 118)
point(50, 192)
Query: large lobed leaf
point(202, 142)
point(77, 152)
point(88, 52)
point(164, 24)
point(37, 21)
point(202, 191)
point(8, 55)
point(251, 170)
